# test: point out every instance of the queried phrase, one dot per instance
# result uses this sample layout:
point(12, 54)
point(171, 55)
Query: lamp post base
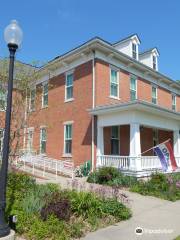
point(11, 236)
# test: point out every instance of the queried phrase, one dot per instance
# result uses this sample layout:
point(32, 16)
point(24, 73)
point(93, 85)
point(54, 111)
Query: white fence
point(129, 163)
point(45, 164)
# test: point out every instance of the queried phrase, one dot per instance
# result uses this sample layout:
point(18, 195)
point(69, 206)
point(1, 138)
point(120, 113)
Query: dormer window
point(154, 62)
point(134, 50)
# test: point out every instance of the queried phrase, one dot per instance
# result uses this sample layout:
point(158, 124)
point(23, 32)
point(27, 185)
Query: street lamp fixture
point(13, 36)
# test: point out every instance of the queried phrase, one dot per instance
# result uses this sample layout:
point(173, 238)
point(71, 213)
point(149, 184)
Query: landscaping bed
point(165, 186)
point(47, 212)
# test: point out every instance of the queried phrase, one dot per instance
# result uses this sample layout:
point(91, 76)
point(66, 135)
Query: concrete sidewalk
point(149, 213)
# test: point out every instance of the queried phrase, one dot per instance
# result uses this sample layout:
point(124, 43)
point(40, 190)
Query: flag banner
point(165, 153)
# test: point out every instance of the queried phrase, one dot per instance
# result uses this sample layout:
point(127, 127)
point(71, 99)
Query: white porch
point(136, 114)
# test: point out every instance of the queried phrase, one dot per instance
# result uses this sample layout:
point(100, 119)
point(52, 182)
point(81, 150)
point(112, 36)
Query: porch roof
point(138, 105)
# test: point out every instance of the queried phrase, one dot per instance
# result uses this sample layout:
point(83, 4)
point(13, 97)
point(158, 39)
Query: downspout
point(93, 105)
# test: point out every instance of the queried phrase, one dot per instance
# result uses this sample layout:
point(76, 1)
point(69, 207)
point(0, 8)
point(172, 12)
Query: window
point(43, 139)
point(30, 140)
point(134, 51)
point(154, 63)
point(45, 95)
point(154, 95)
point(32, 99)
point(115, 140)
point(69, 87)
point(114, 84)
point(68, 139)
point(133, 88)
point(173, 102)
point(1, 140)
point(3, 95)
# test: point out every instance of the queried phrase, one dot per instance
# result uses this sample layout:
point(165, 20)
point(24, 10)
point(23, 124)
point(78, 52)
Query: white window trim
point(136, 50)
point(30, 129)
point(65, 95)
point(156, 62)
point(156, 87)
point(118, 82)
point(1, 109)
point(116, 138)
point(174, 95)
point(132, 75)
point(42, 127)
point(43, 84)
point(2, 129)
point(65, 124)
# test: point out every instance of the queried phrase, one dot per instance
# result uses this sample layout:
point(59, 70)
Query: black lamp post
point(13, 37)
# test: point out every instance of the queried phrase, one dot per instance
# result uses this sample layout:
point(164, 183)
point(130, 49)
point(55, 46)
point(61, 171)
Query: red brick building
point(106, 103)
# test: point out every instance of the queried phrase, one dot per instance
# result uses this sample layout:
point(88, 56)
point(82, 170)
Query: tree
point(24, 78)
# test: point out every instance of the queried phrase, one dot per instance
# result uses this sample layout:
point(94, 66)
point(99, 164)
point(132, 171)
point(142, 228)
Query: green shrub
point(160, 185)
point(35, 199)
point(116, 209)
point(64, 214)
point(93, 177)
point(60, 208)
point(106, 174)
point(112, 177)
point(85, 204)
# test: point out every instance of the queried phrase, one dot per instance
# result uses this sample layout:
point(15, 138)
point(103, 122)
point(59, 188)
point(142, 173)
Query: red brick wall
point(124, 140)
point(144, 88)
point(107, 140)
point(59, 112)
point(146, 140)
point(164, 98)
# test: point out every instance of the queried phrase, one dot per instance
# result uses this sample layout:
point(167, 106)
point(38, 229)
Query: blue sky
point(52, 27)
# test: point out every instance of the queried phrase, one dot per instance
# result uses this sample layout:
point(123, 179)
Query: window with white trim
point(69, 86)
point(154, 62)
point(30, 140)
point(3, 98)
point(133, 87)
point(134, 51)
point(115, 140)
point(43, 140)
point(45, 95)
point(32, 99)
point(68, 139)
point(1, 140)
point(154, 94)
point(173, 102)
point(114, 84)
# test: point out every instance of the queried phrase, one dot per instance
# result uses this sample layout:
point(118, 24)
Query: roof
point(127, 38)
point(103, 45)
point(149, 51)
point(135, 105)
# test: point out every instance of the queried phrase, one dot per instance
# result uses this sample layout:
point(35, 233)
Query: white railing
point(45, 164)
point(120, 162)
point(130, 163)
point(150, 162)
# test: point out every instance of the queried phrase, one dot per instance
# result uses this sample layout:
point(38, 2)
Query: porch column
point(135, 146)
point(176, 138)
point(100, 144)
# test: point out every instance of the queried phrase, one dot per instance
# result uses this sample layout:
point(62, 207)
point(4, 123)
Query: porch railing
point(129, 163)
point(121, 162)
